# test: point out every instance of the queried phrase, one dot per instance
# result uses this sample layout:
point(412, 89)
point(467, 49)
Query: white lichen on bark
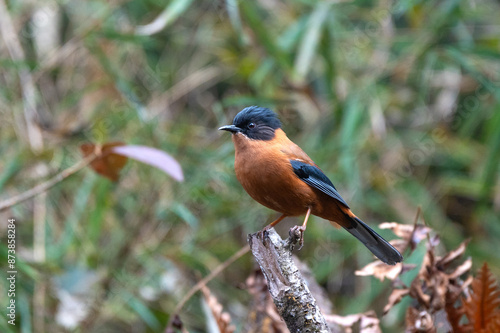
point(287, 287)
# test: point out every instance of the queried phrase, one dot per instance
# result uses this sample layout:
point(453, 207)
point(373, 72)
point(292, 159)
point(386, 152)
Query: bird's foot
point(263, 234)
point(297, 235)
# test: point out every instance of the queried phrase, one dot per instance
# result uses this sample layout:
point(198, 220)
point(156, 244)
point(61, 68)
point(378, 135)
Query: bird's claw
point(297, 232)
point(263, 234)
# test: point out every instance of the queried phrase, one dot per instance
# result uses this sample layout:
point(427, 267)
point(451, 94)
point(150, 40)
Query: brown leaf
point(457, 290)
point(344, 321)
point(380, 270)
point(455, 314)
point(417, 292)
point(400, 244)
point(452, 255)
point(412, 234)
point(438, 291)
point(395, 297)
point(223, 319)
point(368, 321)
point(106, 163)
point(262, 314)
point(401, 230)
point(419, 233)
point(482, 305)
point(437, 286)
point(434, 241)
point(419, 321)
point(430, 286)
point(462, 269)
point(493, 327)
point(428, 266)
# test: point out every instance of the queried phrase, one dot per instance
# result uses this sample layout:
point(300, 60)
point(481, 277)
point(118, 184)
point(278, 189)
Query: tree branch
point(287, 287)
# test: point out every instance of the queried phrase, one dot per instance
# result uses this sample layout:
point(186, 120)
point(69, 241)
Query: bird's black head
point(255, 122)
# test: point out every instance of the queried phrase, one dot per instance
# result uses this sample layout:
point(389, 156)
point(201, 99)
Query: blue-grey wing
point(313, 176)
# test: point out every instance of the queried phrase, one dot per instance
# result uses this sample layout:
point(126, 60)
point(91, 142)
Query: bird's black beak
point(230, 128)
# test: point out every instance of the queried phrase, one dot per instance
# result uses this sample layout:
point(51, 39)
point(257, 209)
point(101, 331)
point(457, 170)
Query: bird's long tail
point(373, 241)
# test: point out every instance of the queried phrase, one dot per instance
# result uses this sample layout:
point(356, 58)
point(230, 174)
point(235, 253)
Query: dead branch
point(290, 293)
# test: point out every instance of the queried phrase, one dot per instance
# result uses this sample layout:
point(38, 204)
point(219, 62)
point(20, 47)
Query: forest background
point(397, 101)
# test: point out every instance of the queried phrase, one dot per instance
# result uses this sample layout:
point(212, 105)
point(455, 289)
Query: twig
point(48, 184)
point(209, 277)
point(287, 287)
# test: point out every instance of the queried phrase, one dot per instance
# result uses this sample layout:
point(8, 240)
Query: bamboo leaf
point(311, 38)
point(175, 9)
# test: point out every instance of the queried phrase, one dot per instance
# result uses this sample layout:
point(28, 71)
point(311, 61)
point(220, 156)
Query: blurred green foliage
point(398, 102)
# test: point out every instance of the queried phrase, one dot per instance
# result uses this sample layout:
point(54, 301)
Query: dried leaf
point(369, 323)
point(154, 157)
point(395, 297)
point(493, 327)
point(414, 232)
point(452, 255)
point(462, 269)
point(455, 315)
point(223, 319)
point(401, 230)
point(438, 291)
point(482, 305)
point(400, 244)
point(434, 241)
point(416, 291)
point(428, 266)
point(430, 286)
point(106, 163)
point(380, 270)
point(436, 288)
point(419, 233)
point(463, 287)
point(419, 321)
point(411, 234)
point(344, 321)
point(262, 314)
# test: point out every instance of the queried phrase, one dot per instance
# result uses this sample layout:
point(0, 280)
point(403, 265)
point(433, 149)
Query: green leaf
point(143, 311)
point(57, 250)
point(185, 214)
point(492, 165)
point(171, 13)
point(311, 38)
point(12, 167)
point(254, 19)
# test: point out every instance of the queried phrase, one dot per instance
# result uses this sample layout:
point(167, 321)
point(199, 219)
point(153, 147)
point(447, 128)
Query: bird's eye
point(251, 125)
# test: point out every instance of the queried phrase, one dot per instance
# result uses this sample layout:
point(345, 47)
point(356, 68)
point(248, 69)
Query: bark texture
point(290, 293)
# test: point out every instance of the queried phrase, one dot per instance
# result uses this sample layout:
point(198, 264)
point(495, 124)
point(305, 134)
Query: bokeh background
point(397, 101)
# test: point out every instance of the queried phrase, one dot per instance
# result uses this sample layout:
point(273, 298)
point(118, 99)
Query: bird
point(279, 175)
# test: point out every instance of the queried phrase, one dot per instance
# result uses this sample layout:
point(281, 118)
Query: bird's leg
point(302, 228)
point(270, 225)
